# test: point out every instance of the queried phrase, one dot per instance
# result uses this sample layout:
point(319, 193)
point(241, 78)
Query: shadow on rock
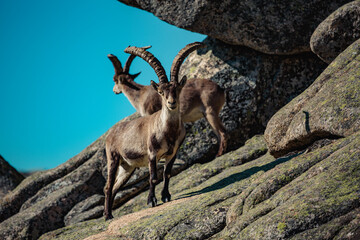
point(241, 176)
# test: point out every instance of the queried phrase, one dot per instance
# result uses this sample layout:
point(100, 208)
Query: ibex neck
point(132, 92)
point(170, 115)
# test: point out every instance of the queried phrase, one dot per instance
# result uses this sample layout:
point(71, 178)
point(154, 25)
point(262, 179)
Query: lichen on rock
point(256, 85)
point(337, 32)
point(313, 193)
point(9, 177)
point(272, 27)
point(330, 107)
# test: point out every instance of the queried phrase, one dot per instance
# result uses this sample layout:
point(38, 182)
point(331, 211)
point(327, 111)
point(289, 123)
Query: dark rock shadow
point(240, 176)
point(307, 123)
point(250, 78)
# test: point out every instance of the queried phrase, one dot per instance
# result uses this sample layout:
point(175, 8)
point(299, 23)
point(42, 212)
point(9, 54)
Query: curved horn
point(130, 59)
point(180, 57)
point(117, 64)
point(150, 59)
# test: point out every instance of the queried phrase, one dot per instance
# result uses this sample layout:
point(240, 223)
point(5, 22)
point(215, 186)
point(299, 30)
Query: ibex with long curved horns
point(146, 140)
point(199, 97)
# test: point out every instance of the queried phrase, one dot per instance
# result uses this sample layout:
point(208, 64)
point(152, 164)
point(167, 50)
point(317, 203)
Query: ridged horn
point(180, 57)
point(116, 63)
point(130, 59)
point(150, 59)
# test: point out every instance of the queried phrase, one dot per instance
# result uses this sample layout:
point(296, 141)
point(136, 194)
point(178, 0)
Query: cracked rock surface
point(337, 32)
point(247, 194)
point(272, 27)
point(9, 177)
point(310, 191)
point(257, 85)
point(330, 107)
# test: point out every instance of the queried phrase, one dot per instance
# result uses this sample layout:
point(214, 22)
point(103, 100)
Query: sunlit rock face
point(272, 27)
point(337, 32)
point(256, 84)
point(330, 107)
point(247, 194)
point(9, 177)
point(259, 52)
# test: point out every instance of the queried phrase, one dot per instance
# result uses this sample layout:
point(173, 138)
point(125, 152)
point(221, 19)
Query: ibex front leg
point(152, 201)
point(165, 194)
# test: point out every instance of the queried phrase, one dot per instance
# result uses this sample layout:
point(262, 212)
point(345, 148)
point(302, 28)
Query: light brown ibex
point(146, 140)
point(199, 97)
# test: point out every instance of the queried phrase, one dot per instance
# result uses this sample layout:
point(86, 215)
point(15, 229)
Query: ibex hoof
point(108, 217)
point(166, 199)
point(152, 202)
point(220, 152)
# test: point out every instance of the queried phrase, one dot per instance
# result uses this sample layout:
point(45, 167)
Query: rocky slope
point(242, 196)
point(256, 84)
point(337, 32)
point(249, 194)
point(72, 192)
point(312, 189)
point(9, 177)
point(328, 108)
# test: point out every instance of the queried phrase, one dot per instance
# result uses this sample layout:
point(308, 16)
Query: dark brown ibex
point(199, 97)
point(146, 140)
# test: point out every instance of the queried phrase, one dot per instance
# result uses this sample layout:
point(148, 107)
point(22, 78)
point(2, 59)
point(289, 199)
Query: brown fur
point(133, 155)
point(199, 98)
point(146, 140)
point(143, 142)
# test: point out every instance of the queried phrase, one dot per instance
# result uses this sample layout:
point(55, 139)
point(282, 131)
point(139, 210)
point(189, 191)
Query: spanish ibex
point(199, 97)
point(146, 140)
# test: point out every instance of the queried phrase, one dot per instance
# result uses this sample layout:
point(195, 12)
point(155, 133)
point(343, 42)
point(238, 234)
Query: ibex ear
point(120, 78)
point(133, 76)
point(183, 81)
point(154, 85)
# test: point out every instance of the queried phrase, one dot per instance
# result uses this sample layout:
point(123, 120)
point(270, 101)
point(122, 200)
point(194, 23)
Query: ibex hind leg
point(215, 122)
point(123, 175)
point(112, 166)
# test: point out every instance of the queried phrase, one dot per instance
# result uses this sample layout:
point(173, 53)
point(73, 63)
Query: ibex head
point(169, 91)
point(122, 75)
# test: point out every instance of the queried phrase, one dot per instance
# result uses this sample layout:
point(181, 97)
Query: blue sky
point(56, 81)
